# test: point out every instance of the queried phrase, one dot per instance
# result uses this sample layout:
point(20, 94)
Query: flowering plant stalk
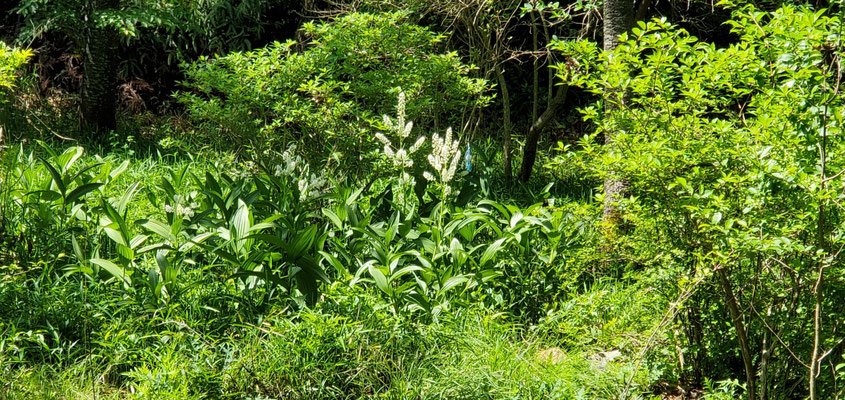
point(398, 155)
point(444, 158)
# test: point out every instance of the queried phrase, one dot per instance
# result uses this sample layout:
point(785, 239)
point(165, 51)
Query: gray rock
point(601, 359)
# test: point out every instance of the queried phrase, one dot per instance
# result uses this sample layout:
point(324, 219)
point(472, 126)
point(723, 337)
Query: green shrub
point(732, 158)
point(323, 97)
point(11, 61)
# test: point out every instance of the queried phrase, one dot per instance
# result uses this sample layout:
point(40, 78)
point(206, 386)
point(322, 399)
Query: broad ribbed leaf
point(157, 227)
point(112, 269)
point(310, 265)
point(57, 177)
point(491, 251)
point(126, 198)
point(302, 242)
point(334, 262)
point(115, 235)
point(262, 226)
point(452, 282)
point(379, 279)
point(240, 224)
point(405, 270)
point(80, 191)
point(333, 217)
point(167, 271)
point(308, 286)
point(77, 251)
point(196, 240)
point(69, 157)
point(138, 240)
point(515, 218)
point(273, 240)
point(82, 171)
point(119, 170)
point(126, 252)
point(497, 206)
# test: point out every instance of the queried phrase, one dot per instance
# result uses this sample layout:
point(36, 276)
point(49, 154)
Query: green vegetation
point(12, 60)
point(334, 91)
point(330, 211)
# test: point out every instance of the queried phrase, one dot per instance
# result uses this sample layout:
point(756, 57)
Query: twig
point(772, 331)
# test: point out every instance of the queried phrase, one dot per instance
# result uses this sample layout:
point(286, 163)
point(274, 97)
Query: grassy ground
point(322, 356)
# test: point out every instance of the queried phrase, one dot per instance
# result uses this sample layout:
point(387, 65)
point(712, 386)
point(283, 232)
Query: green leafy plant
point(11, 62)
point(729, 154)
point(323, 97)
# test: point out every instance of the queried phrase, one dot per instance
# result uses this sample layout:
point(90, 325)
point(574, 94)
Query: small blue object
point(468, 159)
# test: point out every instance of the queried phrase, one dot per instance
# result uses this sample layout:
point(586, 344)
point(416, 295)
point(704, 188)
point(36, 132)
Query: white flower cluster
point(400, 126)
point(183, 206)
point(400, 157)
point(444, 158)
point(310, 185)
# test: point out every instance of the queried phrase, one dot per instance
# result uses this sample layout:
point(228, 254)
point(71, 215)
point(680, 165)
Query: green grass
point(321, 356)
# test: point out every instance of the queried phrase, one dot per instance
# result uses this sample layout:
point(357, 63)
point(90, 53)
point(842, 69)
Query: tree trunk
point(506, 112)
point(818, 295)
point(618, 19)
point(822, 230)
point(815, 365)
point(529, 153)
point(741, 335)
point(99, 95)
point(535, 106)
point(765, 356)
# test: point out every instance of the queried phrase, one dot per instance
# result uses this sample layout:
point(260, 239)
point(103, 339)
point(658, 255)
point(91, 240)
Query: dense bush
point(181, 257)
point(732, 158)
point(329, 95)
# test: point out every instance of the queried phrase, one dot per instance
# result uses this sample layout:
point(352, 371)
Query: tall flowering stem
point(398, 155)
point(444, 159)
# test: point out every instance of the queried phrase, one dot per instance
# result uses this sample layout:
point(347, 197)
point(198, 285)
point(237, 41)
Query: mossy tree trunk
point(506, 115)
point(618, 18)
point(99, 93)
